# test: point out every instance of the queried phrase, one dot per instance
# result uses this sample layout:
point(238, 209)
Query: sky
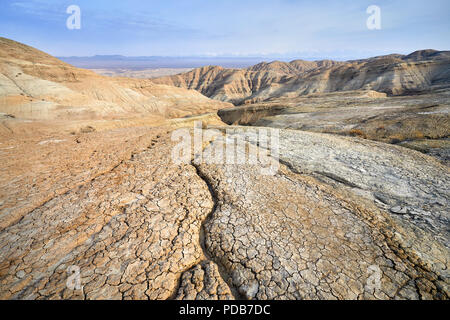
point(263, 28)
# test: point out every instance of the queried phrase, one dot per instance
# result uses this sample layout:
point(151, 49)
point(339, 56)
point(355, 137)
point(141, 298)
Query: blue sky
point(275, 28)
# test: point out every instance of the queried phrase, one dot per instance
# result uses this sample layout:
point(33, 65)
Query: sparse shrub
point(87, 129)
point(397, 138)
point(357, 133)
point(418, 135)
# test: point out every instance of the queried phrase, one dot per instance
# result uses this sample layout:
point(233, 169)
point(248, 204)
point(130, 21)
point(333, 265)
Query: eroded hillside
point(420, 71)
point(35, 85)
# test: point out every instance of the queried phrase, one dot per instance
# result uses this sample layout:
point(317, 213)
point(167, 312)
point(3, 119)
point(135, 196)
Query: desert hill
point(35, 85)
point(395, 74)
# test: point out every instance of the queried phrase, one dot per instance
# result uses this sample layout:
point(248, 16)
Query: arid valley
point(357, 208)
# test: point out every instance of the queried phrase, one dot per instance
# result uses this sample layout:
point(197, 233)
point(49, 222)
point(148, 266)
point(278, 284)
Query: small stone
point(20, 274)
point(399, 210)
point(250, 290)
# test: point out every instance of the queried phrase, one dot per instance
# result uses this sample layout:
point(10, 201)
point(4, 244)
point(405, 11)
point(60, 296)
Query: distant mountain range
point(157, 62)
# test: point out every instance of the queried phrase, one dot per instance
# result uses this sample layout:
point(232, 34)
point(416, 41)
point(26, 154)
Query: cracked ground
point(139, 226)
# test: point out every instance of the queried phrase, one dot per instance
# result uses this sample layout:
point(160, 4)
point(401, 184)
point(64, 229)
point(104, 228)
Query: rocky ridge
point(35, 85)
point(420, 71)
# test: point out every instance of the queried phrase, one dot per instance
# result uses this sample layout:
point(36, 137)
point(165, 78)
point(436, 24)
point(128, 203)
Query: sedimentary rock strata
point(420, 71)
point(35, 85)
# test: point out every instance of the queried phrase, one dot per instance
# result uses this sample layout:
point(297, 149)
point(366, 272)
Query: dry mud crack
point(290, 236)
point(151, 229)
point(132, 231)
